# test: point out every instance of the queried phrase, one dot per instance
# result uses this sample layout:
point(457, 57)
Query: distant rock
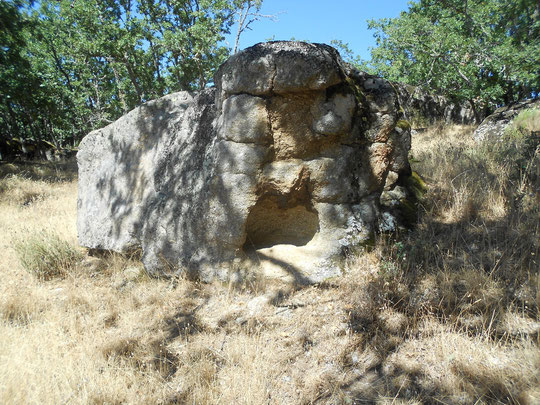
point(279, 168)
point(494, 126)
point(423, 108)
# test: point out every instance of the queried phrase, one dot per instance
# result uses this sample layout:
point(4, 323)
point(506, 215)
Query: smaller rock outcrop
point(494, 126)
point(423, 108)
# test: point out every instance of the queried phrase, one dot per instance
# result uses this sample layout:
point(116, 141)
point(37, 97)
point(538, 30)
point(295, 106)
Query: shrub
point(46, 255)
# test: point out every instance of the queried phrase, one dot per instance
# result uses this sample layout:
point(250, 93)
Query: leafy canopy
point(70, 66)
point(476, 50)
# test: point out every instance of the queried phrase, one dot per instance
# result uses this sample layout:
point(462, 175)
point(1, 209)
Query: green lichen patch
point(416, 185)
point(408, 207)
point(358, 93)
point(404, 125)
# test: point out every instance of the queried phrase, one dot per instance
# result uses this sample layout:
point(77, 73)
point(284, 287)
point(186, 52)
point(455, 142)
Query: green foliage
point(46, 255)
point(68, 67)
point(349, 56)
point(475, 50)
point(403, 124)
point(20, 87)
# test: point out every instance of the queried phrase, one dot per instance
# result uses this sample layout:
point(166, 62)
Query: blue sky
point(321, 21)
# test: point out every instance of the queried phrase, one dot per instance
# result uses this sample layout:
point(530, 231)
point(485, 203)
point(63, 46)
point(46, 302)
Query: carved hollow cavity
point(269, 224)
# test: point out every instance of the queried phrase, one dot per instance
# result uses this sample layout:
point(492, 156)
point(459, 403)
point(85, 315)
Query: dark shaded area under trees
point(70, 66)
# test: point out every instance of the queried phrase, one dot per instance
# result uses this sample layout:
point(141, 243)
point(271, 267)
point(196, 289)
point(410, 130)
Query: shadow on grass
point(54, 172)
point(465, 267)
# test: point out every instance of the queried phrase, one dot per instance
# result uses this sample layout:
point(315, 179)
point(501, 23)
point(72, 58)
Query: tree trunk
point(121, 94)
point(155, 59)
point(477, 118)
point(133, 79)
point(15, 126)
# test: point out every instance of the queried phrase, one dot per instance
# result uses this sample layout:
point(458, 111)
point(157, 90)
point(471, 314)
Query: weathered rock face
point(494, 126)
point(423, 108)
point(281, 167)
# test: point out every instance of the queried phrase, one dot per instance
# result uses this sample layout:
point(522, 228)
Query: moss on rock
point(403, 124)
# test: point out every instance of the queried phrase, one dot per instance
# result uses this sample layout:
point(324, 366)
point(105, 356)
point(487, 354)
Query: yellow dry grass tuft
point(527, 121)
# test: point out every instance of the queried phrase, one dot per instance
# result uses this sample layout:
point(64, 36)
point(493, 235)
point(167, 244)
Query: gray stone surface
point(280, 68)
point(279, 168)
point(494, 126)
point(117, 168)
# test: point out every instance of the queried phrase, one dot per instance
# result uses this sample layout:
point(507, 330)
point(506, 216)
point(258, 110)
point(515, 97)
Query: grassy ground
point(444, 314)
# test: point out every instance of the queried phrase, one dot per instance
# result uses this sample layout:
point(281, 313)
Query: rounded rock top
point(280, 67)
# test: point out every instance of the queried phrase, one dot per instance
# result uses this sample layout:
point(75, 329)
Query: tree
point(476, 50)
point(19, 86)
point(246, 13)
point(348, 55)
point(70, 66)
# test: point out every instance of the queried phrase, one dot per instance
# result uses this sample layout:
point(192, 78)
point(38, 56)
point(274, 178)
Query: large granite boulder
point(280, 169)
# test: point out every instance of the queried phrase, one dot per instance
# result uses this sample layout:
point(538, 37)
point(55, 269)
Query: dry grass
point(447, 313)
point(527, 121)
point(480, 230)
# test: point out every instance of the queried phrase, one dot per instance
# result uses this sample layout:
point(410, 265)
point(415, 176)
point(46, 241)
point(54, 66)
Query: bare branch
point(247, 15)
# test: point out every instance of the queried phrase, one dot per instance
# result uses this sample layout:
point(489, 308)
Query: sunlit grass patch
point(24, 183)
point(19, 307)
point(527, 121)
point(448, 366)
point(23, 192)
point(40, 170)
